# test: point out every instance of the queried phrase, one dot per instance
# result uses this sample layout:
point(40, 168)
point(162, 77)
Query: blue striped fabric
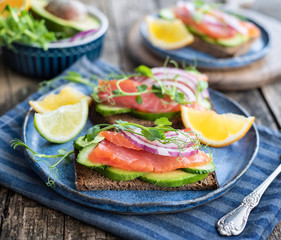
point(198, 223)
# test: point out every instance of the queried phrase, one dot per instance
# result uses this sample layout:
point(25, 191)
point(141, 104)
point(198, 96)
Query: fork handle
point(235, 221)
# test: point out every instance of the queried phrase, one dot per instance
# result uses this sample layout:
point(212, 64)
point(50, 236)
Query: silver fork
point(235, 221)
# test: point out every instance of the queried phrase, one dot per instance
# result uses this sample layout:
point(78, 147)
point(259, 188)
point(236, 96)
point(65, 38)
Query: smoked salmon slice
point(150, 102)
point(118, 139)
point(122, 154)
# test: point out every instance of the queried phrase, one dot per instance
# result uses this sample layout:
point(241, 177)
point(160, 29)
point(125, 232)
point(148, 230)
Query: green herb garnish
point(156, 133)
point(62, 155)
point(20, 26)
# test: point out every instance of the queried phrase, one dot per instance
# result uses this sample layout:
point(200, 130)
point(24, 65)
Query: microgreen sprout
point(61, 156)
point(167, 93)
point(156, 133)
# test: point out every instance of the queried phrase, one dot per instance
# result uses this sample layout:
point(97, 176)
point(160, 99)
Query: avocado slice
point(174, 178)
point(118, 174)
point(56, 24)
point(234, 41)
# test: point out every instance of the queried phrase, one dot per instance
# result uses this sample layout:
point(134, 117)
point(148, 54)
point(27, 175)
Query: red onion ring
point(170, 149)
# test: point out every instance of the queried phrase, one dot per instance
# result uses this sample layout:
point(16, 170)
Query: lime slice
point(62, 124)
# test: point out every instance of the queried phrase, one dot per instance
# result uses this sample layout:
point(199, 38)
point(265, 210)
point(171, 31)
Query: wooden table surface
point(22, 218)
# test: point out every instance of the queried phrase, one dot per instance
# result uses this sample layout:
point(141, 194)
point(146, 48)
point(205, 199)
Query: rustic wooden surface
point(257, 74)
point(22, 218)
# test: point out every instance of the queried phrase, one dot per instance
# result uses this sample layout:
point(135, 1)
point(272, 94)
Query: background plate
point(191, 56)
point(231, 162)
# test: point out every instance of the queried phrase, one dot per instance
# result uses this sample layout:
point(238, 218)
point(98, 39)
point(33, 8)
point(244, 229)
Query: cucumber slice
point(83, 159)
point(166, 14)
point(107, 110)
point(209, 167)
point(154, 116)
point(118, 174)
point(174, 178)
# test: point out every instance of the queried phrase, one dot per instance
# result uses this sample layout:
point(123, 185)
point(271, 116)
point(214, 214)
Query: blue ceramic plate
point(188, 55)
point(231, 162)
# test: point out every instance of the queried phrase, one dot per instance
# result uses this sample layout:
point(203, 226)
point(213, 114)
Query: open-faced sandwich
point(142, 158)
point(216, 32)
point(148, 95)
point(134, 144)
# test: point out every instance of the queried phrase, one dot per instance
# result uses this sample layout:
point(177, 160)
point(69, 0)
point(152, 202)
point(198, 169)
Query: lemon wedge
point(67, 96)
point(215, 129)
point(168, 34)
point(62, 124)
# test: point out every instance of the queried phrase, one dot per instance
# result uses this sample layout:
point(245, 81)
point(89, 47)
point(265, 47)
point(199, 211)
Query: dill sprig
point(62, 155)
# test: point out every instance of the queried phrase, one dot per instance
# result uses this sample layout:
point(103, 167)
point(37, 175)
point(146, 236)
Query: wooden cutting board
point(255, 75)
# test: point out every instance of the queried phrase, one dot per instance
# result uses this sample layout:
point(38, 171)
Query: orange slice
point(67, 96)
point(20, 4)
point(214, 129)
point(168, 34)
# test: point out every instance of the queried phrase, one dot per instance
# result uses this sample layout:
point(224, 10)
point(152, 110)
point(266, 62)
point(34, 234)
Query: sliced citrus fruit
point(67, 96)
point(168, 34)
point(62, 124)
point(20, 4)
point(215, 129)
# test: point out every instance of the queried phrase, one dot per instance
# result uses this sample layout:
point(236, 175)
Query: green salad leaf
point(20, 26)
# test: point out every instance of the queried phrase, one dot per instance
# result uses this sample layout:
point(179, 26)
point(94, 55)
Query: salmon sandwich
point(150, 94)
point(129, 156)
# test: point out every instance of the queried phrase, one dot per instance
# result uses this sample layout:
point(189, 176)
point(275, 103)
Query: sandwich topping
point(207, 20)
point(146, 149)
point(156, 90)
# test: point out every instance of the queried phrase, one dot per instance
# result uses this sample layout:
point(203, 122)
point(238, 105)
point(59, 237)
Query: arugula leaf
point(116, 91)
point(92, 133)
point(153, 134)
point(159, 91)
point(144, 70)
point(139, 99)
point(180, 98)
point(142, 88)
point(163, 121)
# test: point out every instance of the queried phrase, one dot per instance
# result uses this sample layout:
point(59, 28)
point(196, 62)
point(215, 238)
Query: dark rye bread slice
point(87, 179)
point(97, 118)
point(221, 51)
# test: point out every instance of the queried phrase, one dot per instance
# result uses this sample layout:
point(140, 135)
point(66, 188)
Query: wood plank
point(272, 94)
point(3, 197)
point(132, 10)
point(75, 229)
point(21, 86)
point(5, 91)
point(27, 219)
point(253, 102)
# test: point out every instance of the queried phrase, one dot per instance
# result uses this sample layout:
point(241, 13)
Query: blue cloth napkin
point(198, 223)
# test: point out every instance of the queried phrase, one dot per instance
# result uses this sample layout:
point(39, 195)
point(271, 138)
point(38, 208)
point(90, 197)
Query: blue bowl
point(33, 61)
